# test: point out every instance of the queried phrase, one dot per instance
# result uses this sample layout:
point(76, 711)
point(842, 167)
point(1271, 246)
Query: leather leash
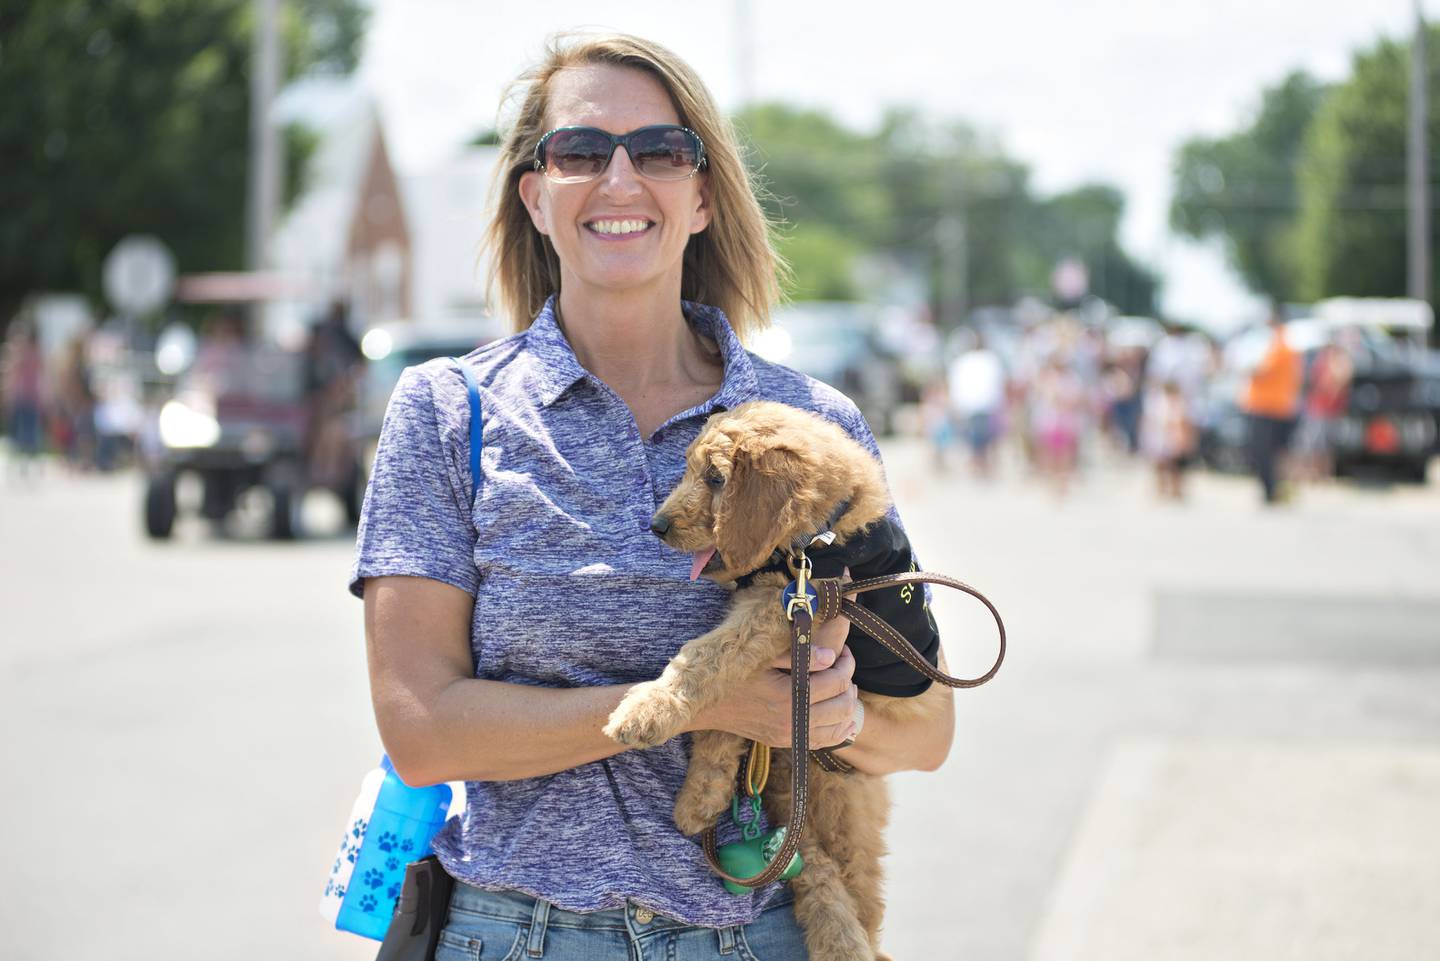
point(801, 627)
point(831, 601)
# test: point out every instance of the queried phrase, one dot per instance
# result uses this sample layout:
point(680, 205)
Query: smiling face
point(620, 231)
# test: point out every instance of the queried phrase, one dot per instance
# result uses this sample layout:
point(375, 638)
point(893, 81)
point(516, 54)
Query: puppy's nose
point(659, 525)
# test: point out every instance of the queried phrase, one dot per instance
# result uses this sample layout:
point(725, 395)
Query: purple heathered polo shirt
point(571, 590)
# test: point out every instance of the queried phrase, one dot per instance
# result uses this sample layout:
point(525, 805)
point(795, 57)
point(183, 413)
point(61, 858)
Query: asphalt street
point(1217, 733)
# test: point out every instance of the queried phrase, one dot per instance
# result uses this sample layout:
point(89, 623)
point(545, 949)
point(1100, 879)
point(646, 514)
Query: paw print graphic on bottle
point(391, 825)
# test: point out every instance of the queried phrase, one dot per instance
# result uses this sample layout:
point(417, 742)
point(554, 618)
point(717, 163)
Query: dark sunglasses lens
point(665, 153)
point(576, 153)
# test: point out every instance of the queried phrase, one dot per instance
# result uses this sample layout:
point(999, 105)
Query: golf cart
point(236, 411)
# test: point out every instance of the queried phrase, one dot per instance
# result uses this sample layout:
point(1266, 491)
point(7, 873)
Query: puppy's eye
point(714, 479)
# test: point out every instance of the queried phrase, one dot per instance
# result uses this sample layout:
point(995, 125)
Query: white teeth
point(618, 226)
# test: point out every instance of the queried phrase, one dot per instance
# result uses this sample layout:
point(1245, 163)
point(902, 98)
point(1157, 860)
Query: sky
point(1103, 90)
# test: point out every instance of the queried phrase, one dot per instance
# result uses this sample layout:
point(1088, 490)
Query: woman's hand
point(759, 709)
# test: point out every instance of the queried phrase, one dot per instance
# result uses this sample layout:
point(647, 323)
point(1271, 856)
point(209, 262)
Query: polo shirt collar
point(558, 369)
point(739, 384)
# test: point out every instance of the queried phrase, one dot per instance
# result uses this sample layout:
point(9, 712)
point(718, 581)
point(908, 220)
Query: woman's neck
point(634, 343)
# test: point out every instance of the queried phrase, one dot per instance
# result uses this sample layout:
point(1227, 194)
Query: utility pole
point(263, 199)
point(954, 263)
point(1418, 168)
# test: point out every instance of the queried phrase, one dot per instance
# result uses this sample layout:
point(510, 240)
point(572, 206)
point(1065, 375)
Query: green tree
point(1243, 187)
point(1085, 223)
point(946, 177)
point(1351, 236)
point(907, 190)
point(133, 116)
point(814, 170)
point(822, 262)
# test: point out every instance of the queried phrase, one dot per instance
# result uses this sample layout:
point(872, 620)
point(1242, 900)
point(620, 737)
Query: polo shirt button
point(644, 915)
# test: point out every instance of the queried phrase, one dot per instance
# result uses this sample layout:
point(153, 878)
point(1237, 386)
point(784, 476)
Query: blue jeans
point(509, 926)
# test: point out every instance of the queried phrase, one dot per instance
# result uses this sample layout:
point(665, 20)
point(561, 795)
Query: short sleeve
point(859, 430)
point(416, 519)
point(887, 551)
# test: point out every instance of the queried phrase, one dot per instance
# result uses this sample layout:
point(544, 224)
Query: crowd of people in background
point(1067, 393)
point(62, 401)
point(49, 403)
point(1062, 392)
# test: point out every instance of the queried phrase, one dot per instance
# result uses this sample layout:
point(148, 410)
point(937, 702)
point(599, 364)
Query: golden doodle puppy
point(761, 478)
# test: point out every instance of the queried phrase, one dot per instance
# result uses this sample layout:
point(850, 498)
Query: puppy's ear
point(755, 509)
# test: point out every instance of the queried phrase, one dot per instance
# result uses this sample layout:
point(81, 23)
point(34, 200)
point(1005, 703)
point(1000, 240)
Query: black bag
point(419, 913)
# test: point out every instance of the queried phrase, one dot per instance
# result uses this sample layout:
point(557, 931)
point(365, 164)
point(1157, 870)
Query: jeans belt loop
point(727, 939)
point(539, 920)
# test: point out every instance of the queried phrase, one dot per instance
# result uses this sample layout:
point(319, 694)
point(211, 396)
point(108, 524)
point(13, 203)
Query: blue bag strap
point(477, 431)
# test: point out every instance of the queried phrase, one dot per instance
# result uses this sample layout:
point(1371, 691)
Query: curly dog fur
point(758, 478)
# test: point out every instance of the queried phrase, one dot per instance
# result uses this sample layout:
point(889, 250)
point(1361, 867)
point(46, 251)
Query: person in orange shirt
point(1272, 401)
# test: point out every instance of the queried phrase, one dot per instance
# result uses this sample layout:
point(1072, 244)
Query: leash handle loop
point(895, 642)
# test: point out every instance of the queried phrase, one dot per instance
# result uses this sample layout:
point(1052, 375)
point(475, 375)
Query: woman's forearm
point(440, 723)
point(886, 745)
point(479, 730)
point(919, 743)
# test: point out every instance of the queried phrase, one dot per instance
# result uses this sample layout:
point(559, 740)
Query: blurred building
point(447, 207)
point(399, 248)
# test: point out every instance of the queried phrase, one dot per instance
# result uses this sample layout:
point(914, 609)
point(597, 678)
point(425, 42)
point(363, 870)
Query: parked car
point(1390, 424)
point(389, 349)
point(838, 342)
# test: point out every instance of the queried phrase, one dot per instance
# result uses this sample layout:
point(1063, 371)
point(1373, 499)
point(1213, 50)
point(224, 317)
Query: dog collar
point(779, 560)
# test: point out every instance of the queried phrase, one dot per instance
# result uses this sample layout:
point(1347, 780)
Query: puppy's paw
point(648, 715)
point(696, 809)
point(691, 821)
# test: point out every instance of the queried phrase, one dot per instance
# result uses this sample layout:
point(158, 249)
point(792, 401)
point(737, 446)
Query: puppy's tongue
point(701, 559)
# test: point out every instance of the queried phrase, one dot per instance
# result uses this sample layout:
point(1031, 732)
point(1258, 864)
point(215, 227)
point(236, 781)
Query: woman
point(501, 633)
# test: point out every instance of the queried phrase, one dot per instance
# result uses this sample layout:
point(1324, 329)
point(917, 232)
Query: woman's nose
point(620, 177)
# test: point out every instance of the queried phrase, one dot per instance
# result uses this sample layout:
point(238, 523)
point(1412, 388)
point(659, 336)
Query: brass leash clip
point(801, 596)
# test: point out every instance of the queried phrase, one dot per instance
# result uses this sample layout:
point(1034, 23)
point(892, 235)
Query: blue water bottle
point(391, 825)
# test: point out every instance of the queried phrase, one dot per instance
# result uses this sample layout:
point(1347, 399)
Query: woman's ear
point(701, 218)
point(532, 191)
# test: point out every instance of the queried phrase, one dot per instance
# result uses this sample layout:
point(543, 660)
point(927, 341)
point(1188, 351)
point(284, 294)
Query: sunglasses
point(667, 151)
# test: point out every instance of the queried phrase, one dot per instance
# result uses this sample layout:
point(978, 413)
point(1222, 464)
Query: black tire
point(284, 522)
point(160, 507)
point(1413, 471)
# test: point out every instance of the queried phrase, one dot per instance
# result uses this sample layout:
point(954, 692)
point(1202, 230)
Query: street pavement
point(1216, 735)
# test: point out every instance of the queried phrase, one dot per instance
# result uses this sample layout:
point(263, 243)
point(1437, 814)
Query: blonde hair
point(731, 265)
